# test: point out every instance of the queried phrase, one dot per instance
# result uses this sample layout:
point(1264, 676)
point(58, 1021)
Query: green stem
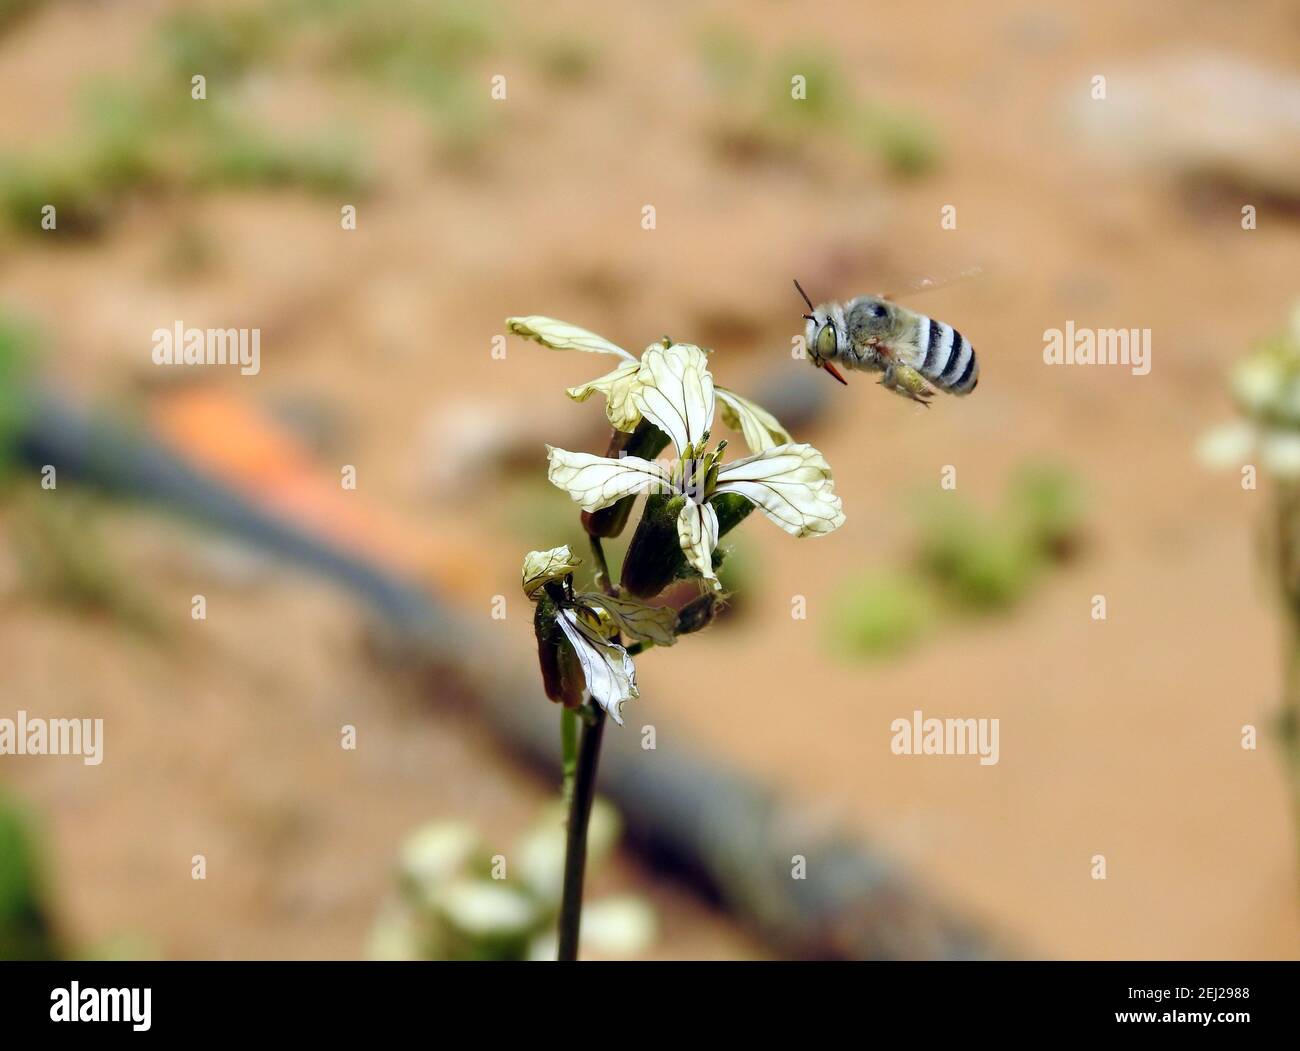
point(575, 847)
point(602, 567)
point(569, 750)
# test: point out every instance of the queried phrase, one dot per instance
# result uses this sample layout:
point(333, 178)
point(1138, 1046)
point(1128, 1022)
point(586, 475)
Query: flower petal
point(791, 484)
point(760, 428)
point(618, 387)
point(598, 481)
point(560, 335)
point(697, 532)
point(675, 392)
point(609, 671)
point(541, 567)
point(656, 624)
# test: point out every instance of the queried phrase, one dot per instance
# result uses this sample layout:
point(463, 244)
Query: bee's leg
point(907, 382)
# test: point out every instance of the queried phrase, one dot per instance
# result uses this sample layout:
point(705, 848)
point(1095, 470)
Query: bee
point(916, 353)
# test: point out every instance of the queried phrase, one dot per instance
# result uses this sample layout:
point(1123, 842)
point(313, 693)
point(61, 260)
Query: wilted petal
point(618, 387)
point(656, 624)
point(697, 532)
point(760, 428)
point(541, 567)
point(609, 671)
point(597, 481)
point(675, 392)
point(560, 335)
point(791, 484)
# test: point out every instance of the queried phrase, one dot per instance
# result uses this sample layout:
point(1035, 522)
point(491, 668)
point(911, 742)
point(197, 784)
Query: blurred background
point(222, 736)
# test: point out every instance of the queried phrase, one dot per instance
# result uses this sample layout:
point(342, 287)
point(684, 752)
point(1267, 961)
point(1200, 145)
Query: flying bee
point(916, 353)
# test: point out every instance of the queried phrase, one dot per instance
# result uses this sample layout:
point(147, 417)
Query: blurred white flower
point(615, 928)
point(760, 429)
point(539, 857)
point(485, 908)
point(623, 926)
point(790, 483)
point(1228, 445)
point(436, 852)
point(1279, 452)
point(1255, 384)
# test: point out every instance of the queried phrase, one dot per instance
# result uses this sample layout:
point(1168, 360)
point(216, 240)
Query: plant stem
point(575, 847)
point(569, 751)
point(602, 567)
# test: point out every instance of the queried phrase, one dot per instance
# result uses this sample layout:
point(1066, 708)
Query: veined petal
point(675, 392)
point(541, 567)
point(618, 387)
point(791, 484)
point(760, 428)
point(598, 481)
point(656, 624)
point(697, 532)
point(609, 671)
point(560, 335)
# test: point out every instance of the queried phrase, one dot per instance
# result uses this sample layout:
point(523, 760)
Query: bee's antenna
point(805, 297)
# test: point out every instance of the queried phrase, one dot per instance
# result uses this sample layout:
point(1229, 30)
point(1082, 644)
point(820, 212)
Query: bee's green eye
point(826, 342)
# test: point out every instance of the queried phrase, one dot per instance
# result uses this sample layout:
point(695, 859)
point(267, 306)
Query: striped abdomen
point(946, 357)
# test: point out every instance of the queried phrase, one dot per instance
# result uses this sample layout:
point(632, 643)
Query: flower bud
point(698, 613)
point(562, 676)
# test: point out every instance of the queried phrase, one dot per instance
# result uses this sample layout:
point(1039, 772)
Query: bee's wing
point(927, 284)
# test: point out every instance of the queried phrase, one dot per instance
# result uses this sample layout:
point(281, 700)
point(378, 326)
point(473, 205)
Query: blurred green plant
point(966, 562)
point(760, 115)
point(726, 53)
point(135, 139)
point(457, 901)
point(569, 61)
point(973, 561)
point(26, 930)
point(11, 11)
point(147, 134)
point(985, 562)
point(65, 558)
point(1266, 388)
point(19, 347)
point(220, 43)
point(880, 614)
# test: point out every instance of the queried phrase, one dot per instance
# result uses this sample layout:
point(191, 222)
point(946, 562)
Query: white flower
point(609, 676)
point(760, 429)
point(790, 483)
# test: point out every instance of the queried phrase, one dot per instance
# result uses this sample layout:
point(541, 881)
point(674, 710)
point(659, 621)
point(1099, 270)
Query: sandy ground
point(1119, 738)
